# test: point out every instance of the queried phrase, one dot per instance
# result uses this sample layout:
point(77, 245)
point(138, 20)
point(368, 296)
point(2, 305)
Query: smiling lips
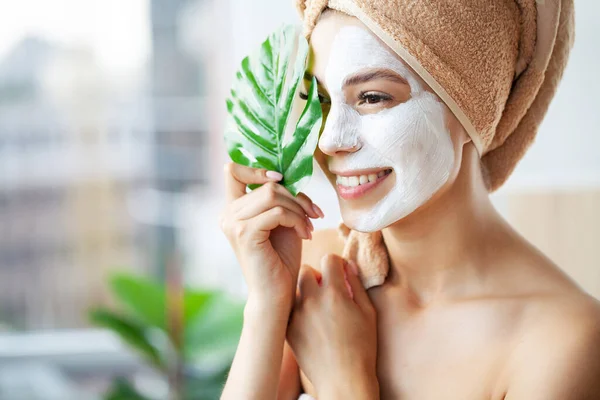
point(352, 187)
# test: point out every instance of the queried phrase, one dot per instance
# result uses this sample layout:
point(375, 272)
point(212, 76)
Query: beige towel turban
point(495, 63)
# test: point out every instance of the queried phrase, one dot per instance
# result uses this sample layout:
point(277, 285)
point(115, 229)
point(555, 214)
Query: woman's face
point(385, 145)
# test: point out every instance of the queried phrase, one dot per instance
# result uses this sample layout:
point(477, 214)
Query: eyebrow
point(371, 75)
point(367, 76)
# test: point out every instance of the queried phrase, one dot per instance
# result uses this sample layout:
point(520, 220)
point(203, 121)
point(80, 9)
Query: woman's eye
point(372, 98)
point(322, 99)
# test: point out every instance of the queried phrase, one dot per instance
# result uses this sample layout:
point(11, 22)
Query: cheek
point(409, 132)
point(392, 132)
point(322, 161)
point(413, 140)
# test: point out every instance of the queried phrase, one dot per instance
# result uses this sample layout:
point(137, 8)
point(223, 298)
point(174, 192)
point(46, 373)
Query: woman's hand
point(333, 331)
point(265, 228)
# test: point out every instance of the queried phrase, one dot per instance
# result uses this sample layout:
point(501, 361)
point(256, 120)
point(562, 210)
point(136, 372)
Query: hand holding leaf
point(260, 106)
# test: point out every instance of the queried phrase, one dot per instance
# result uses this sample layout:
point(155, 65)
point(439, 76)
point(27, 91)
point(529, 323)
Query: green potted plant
point(189, 336)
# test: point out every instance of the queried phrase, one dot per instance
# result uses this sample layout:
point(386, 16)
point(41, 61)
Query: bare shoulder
point(555, 310)
point(557, 348)
point(325, 241)
point(561, 317)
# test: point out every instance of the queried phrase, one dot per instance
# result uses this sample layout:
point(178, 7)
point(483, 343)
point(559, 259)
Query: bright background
point(111, 154)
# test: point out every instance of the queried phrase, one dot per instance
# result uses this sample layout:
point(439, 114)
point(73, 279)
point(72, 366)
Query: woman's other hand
point(333, 331)
point(265, 228)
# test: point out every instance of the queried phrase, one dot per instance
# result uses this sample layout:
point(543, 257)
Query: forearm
point(359, 388)
point(289, 376)
point(255, 370)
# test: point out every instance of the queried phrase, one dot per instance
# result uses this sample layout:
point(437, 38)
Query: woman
point(469, 309)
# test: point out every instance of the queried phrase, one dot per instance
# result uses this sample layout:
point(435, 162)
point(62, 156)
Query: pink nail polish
point(318, 211)
point(274, 175)
point(310, 224)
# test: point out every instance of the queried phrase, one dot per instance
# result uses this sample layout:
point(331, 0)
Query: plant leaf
point(130, 332)
point(206, 387)
point(260, 105)
point(304, 141)
point(196, 302)
point(121, 389)
point(215, 333)
point(145, 299)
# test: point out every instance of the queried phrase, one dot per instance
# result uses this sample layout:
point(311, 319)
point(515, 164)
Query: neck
point(436, 252)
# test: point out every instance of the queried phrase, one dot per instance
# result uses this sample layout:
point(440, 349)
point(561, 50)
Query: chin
point(362, 221)
point(382, 214)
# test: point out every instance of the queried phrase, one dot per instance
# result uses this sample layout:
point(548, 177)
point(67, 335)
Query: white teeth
point(353, 181)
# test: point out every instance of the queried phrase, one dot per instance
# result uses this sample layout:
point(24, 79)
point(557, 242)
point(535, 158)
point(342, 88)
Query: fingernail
point(305, 236)
point(318, 211)
point(274, 175)
point(310, 224)
point(353, 267)
point(349, 289)
point(309, 233)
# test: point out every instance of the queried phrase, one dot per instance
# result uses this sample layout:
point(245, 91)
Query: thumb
point(308, 281)
point(359, 293)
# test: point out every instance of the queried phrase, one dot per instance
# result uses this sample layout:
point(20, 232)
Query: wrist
point(269, 308)
point(365, 388)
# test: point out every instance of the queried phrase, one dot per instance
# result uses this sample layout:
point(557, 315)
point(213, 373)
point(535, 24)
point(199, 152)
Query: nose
point(341, 131)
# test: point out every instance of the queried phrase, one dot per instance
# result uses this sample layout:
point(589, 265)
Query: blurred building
point(181, 149)
point(70, 153)
point(95, 167)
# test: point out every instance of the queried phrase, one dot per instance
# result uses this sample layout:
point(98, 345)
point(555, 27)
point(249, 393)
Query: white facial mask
point(410, 138)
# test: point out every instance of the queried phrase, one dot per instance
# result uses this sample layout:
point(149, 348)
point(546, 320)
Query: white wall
point(566, 152)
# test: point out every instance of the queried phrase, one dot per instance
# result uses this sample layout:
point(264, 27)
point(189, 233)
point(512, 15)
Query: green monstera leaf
point(258, 132)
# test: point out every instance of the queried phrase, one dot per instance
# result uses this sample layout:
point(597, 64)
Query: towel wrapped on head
point(495, 64)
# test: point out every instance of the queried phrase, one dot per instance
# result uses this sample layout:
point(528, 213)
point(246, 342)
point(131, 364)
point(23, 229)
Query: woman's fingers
point(359, 293)
point(265, 208)
point(313, 210)
point(237, 177)
point(303, 200)
point(332, 268)
point(280, 216)
point(339, 274)
point(270, 195)
point(249, 206)
point(308, 281)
